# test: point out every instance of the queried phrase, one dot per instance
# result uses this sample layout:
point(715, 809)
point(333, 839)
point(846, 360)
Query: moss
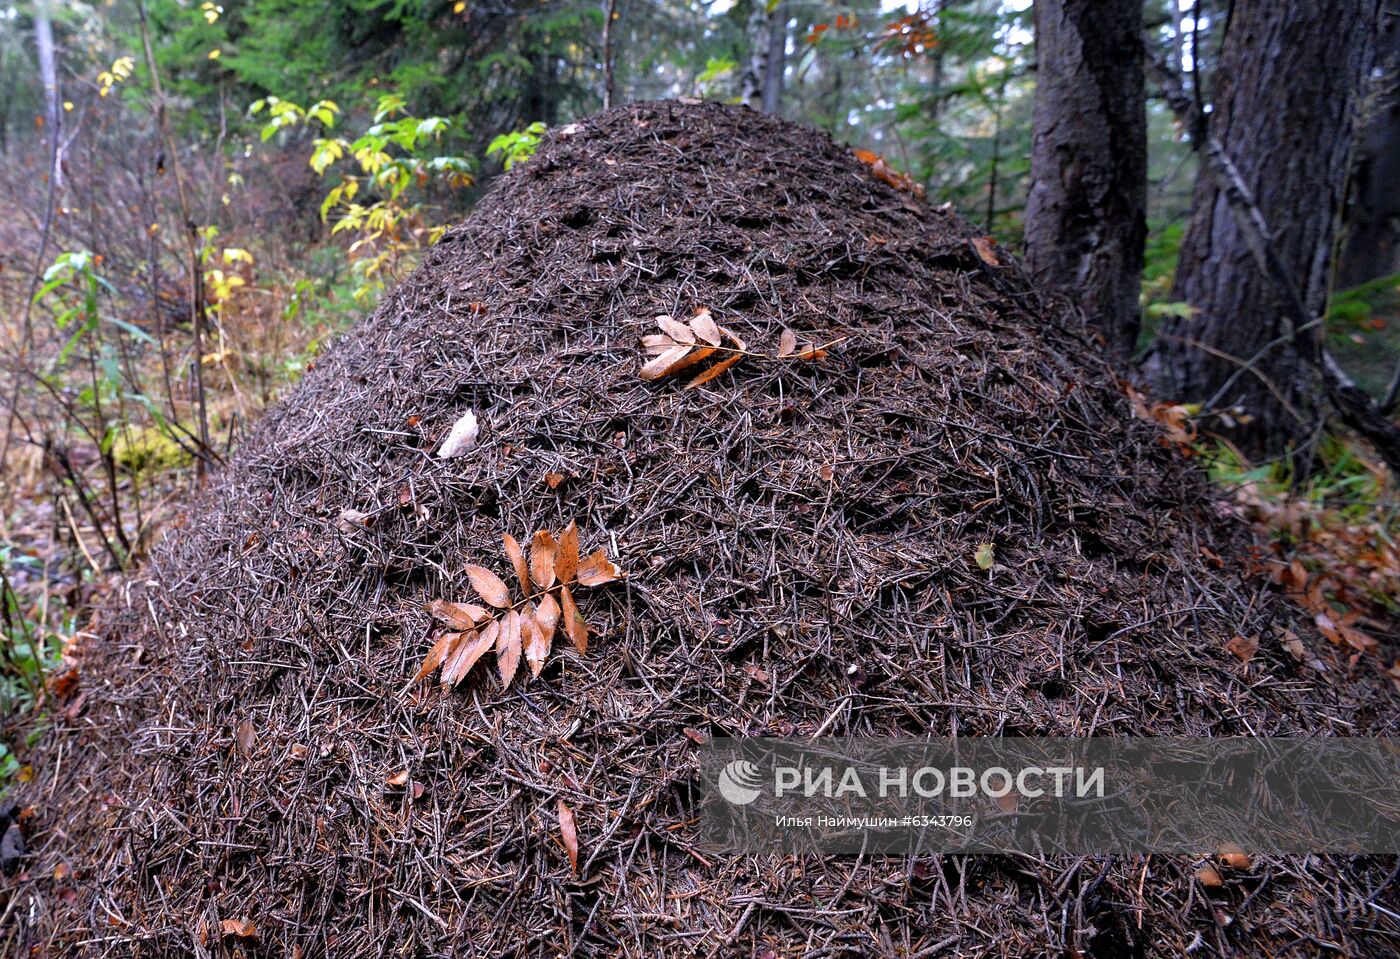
point(148, 449)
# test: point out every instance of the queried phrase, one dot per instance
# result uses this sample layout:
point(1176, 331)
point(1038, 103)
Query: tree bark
point(609, 16)
point(1287, 86)
point(775, 61)
point(751, 83)
point(1371, 245)
point(1086, 215)
point(48, 76)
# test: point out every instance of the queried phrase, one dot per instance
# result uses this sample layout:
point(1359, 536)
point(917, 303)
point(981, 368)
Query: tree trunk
point(773, 67)
point(48, 76)
point(609, 16)
point(1086, 213)
point(756, 73)
point(1286, 89)
point(1371, 247)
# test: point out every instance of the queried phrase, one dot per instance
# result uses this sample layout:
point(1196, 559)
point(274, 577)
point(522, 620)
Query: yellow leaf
point(597, 570)
point(574, 626)
point(1233, 855)
point(986, 250)
point(247, 737)
point(462, 437)
point(489, 586)
point(470, 649)
point(566, 558)
point(705, 327)
point(547, 618)
point(985, 556)
point(663, 364)
point(657, 343)
point(676, 330)
point(435, 655)
point(1243, 647)
point(542, 550)
point(536, 642)
point(568, 832)
point(508, 646)
point(215, 54)
point(242, 928)
point(714, 371)
point(460, 615)
point(517, 560)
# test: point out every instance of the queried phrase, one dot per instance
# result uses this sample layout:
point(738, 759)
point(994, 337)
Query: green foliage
point(28, 653)
point(1342, 481)
point(1355, 307)
point(718, 72)
point(75, 284)
point(518, 145)
point(369, 201)
point(1159, 272)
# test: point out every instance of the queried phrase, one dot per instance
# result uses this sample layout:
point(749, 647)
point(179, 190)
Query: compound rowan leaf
point(566, 558)
point(547, 618)
point(705, 327)
point(542, 551)
point(435, 655)
point(536, 642)
point(696, 356)
point(470, 649)
point(663, 364)
point(568, 832)
point(657, 343)
point(517, 560)
point(714, 371)
point(460, 615)
point(676, 330)
point(597, 570)
point(574, 626)
point(456, 642)
point(489, 586)
point(508, 638)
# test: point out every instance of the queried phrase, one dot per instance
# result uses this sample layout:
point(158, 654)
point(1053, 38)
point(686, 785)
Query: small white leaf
point(461, 439)
point(352, 519)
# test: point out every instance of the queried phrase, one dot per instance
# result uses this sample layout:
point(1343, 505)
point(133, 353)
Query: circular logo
point(739, 782)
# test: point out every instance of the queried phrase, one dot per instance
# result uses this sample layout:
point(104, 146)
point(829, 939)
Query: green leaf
point(985, 556)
